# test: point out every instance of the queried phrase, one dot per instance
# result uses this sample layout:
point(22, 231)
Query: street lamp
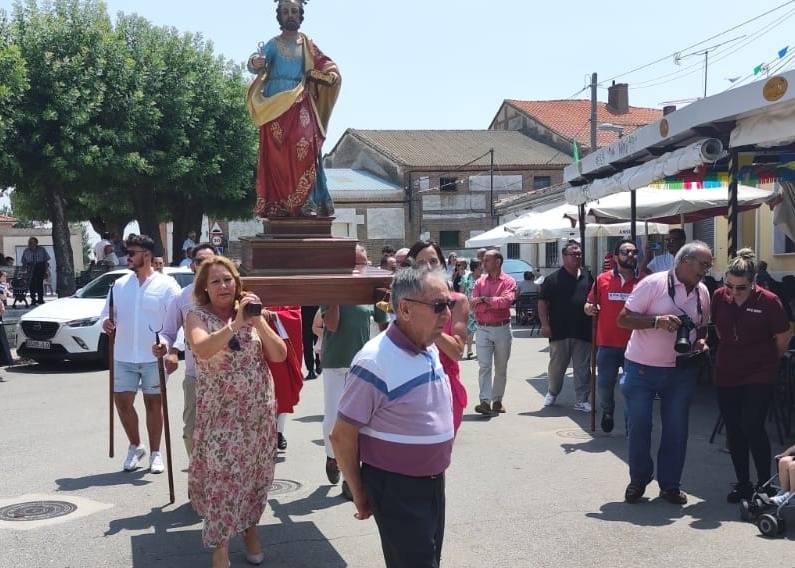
point(610, 127)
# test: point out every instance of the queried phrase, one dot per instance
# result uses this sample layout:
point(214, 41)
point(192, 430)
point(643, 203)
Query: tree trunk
point(146, 213)
point(61, 242)
point(186, 217)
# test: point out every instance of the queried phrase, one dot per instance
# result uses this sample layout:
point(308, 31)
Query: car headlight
point(85, 322)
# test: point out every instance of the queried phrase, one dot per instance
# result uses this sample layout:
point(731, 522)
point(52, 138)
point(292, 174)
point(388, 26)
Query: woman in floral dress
point(234, 441)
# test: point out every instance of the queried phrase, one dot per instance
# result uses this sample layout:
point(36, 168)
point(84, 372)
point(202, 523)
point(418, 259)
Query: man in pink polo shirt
point(655, 310)
point(492, 296)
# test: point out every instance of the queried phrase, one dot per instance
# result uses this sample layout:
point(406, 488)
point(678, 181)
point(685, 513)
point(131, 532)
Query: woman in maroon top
point(753, 334)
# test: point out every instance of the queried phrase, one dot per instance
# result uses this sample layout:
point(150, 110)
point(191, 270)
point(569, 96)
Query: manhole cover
point(579, 434)
point(282, 486)
point(36, 510)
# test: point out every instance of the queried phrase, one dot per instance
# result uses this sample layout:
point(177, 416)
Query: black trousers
point(744, 410)
point(37, 274)
point(409, 512)
point(307, 316)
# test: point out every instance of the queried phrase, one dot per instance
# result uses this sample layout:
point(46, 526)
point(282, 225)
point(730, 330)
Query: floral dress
point(234, 440)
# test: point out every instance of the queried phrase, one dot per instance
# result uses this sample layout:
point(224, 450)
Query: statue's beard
point(291, 25)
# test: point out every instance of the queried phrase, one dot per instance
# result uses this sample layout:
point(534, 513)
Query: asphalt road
point(527, 488)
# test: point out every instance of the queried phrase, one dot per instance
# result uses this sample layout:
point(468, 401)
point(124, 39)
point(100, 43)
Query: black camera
point(253, 309)
point(682, 344)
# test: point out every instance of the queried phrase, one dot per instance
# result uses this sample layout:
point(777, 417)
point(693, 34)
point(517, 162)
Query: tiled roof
point(572, 118)
point(454, 148)
point(344, 179)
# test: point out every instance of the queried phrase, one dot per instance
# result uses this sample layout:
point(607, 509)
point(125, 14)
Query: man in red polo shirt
point(610, 290)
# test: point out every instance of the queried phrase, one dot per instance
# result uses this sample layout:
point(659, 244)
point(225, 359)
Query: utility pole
point(491, 186)
point(594, 147)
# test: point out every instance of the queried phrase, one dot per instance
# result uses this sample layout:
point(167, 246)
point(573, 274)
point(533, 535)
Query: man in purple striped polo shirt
point(396, 418)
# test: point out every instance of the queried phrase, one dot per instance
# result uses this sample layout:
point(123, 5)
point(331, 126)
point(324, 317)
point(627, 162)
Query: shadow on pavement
point(287, 544)
point(708, 471)
point(134, 478)
point(56, 368)
point(310, 418)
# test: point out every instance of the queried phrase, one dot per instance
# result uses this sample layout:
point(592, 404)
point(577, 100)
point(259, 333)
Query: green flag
point(575, 150)
point(758, 69)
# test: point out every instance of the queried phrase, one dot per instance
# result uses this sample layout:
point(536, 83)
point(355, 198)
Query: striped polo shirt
point(400, 399)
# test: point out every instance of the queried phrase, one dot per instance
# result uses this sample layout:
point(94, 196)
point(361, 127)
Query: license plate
point(38, 344)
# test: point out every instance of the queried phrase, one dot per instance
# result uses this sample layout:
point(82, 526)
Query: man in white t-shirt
point(140, 303)
point(663, 263)
point(99, 248)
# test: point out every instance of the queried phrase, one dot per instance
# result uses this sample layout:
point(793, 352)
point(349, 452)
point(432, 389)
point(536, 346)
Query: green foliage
point(111, 123)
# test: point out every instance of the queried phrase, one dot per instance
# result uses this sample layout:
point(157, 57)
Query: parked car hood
point(66, 309)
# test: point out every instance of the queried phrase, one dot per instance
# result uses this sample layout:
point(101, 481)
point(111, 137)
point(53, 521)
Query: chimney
point(618, 98)
point(668, 109)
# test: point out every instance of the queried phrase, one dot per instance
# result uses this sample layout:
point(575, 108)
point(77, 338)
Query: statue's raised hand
point(256, 63)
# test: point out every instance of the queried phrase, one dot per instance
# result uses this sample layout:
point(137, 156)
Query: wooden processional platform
point(296, 261)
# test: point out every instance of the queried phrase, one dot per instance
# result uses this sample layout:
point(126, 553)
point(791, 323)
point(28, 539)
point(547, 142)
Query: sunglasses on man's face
point(437, 305)
point(737, 287)
point(627, 252)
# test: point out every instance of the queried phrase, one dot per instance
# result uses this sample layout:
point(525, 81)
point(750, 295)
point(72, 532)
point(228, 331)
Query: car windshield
point(99, 287)
point(515, 265)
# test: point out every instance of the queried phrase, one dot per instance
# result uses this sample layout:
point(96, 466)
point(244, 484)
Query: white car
point(69, 328)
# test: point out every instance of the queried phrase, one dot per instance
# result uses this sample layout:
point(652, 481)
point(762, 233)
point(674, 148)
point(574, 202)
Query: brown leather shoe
point(498, 407)
point(483, 408)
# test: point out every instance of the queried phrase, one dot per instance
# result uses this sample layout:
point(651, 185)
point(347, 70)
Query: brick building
point(447, 176)
point(557, 123)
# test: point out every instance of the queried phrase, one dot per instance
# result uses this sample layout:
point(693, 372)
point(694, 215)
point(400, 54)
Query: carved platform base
point(297, 228)
point(298, 262)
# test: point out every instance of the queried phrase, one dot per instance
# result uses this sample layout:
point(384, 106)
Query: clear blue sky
point(450, 63)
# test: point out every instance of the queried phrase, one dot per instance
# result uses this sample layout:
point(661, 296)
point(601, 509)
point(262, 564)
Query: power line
point(656, 61)
point(723, 55)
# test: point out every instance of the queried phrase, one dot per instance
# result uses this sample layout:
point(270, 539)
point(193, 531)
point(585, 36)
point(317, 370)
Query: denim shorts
point(129, 377)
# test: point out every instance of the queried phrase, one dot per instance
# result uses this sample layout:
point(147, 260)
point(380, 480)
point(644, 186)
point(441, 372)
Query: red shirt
point(612, 292)
point(500, 292)
point(747, 352)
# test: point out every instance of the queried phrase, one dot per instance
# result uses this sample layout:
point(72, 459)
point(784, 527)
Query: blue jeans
point(608, 361)
point(639, 385)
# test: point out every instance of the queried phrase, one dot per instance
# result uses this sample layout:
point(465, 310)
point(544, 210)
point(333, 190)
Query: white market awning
point(705, 151)
point(558, 223)
point(773, 128)
point(670, 205)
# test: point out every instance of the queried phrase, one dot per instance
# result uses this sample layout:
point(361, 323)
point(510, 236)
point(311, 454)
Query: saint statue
point(291, 101)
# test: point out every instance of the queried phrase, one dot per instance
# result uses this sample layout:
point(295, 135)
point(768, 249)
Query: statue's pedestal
point(297, 261)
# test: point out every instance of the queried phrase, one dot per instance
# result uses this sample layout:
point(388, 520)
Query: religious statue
point(291, 101)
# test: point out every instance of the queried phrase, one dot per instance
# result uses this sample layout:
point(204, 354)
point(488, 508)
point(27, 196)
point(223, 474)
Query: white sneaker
point(156, 463)
point(583, 406)
point(549, 399)
point(134, 455)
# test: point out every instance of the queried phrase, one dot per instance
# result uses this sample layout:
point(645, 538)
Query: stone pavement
point(527, 488)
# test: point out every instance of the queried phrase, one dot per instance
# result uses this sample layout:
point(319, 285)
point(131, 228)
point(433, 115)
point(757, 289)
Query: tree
point(59, 145)
point(188, 145)
point(114, 124)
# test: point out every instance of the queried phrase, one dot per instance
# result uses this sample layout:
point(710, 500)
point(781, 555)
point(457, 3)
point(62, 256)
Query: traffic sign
point(217, 240)
point(216, 230)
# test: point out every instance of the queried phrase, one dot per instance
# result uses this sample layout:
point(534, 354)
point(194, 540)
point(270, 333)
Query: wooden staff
point(111, 374)
point(164, 398)
point(594, 320)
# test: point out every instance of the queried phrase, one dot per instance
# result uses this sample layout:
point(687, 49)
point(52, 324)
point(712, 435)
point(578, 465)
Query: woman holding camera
point(234, 441)
point(753, 334)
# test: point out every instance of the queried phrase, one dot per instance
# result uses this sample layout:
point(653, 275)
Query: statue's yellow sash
point(265, 109)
